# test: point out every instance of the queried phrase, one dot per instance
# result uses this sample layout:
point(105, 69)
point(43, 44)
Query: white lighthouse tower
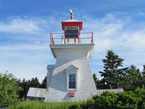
point(71, 77)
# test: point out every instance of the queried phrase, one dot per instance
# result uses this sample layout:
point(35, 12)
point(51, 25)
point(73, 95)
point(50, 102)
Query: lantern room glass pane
point(71, 32)
point(72, 81)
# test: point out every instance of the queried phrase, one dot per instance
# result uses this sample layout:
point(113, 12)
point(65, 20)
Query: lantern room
point(71, 33)
point(72, 28)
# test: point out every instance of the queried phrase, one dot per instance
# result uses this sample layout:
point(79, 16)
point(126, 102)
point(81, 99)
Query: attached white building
point(36, 93)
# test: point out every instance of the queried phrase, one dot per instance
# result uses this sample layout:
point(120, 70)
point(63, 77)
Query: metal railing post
point(50, 38)
point(64, 41)
point(92, 40)
point(79, 37)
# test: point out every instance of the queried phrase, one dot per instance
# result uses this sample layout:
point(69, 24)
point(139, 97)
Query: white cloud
point(23, 25)
point(123, 34)
point(26, 55)
point(115, 33)
point(26, 61)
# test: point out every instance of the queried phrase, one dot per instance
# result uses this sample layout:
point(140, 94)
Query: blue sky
point(25, 26)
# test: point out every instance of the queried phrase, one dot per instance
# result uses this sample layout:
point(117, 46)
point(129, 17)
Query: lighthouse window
point(72, 81)
point(71, 32)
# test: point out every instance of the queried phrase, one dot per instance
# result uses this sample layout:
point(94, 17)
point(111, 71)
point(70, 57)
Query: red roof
point(72, 23)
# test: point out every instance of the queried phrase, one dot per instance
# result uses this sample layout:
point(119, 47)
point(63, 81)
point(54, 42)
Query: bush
point(90, 104)
point(42, 105)
point(107, 100)
point(128, 100)
point(124, 100)
point(8, 90)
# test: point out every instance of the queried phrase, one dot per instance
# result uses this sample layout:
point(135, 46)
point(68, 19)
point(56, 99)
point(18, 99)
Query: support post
point(92, 40)
point(51, 39)
point(79, 37)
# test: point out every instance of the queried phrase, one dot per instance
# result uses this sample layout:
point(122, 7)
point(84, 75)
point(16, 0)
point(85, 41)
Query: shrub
point(8, 90)
point(42, 105)
point(107, 100)
point(123, 100)
point(89, 104)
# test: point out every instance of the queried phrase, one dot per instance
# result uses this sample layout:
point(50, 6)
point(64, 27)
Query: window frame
point(72, 72)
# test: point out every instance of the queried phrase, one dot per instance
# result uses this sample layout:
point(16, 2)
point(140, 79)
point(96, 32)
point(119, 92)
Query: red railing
point(54, 39)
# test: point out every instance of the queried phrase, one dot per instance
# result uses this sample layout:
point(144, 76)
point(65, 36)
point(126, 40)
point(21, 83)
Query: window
point(72, 78)
point(71, 32)
point(72, 81)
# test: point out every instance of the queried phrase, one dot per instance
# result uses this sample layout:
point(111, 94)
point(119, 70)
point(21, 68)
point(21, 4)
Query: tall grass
point(42, 105)
point(107, 100)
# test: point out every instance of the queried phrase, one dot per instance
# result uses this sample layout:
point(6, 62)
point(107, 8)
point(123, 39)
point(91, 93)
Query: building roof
point(99, 92)
point(72, 20)
point(72, 67)
point(36, 92)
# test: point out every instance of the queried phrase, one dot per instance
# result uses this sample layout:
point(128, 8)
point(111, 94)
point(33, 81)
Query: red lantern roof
point(72, 22)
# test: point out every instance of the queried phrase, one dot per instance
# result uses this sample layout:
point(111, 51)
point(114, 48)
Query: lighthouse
point(70, 78)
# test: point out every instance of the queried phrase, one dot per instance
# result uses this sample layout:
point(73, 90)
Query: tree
point(8, 90)
point(133, 78)
point(95, 78)
point(143, 73)
point(44, 83)
point(20, 93)
point(34, 82)
point(99, 84)
point(26, 84)
point(25, 87)
point(112, 72)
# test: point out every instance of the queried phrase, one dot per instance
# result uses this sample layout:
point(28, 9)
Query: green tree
point(95, 77)
point(44, 82)
point(99, 84)
point(34, 82)
point(26, 84)
point(8, 90)
point(143, 73)
point(132, 79)
point(112, 72)
point(142, 80)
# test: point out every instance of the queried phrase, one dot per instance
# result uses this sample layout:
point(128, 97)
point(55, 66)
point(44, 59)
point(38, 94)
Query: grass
point(42, 105)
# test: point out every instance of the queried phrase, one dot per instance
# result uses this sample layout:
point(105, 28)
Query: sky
point(25, 27)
